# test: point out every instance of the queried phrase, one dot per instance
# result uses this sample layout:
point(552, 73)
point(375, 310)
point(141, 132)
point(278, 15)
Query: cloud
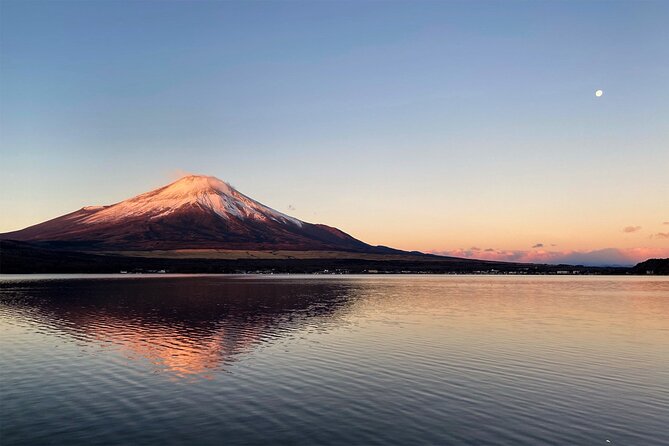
point(629, 229)
point(538, 245)
point(597, 257)
point(176, 174)
point(291, 207)
point(661, 235)
point(665, 222)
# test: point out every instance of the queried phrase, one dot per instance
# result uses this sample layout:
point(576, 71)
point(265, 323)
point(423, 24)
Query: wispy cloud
point(629, 229)
point(661, 235)
point(176, 174)
point(665, 222)
point(597, 257)
point(538, 245)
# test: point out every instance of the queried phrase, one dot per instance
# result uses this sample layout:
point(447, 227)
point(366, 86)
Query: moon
point(599, 93)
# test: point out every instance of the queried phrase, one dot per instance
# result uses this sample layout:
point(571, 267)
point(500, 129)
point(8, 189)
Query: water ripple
point(346, 360)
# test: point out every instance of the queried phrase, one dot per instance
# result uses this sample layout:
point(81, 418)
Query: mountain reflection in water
point(346, 360)
point(185, 326)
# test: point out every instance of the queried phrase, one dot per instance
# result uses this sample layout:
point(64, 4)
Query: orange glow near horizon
point(514, 229)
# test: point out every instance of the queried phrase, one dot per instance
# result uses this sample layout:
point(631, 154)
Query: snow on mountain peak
point(200, 190)
point(195, 184)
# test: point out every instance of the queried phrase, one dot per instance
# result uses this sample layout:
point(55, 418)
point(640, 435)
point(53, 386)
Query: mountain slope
point(195, 212)
point(652, 266)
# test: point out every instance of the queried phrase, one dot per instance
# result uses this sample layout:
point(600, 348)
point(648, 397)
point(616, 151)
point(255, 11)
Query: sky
point(462, 128)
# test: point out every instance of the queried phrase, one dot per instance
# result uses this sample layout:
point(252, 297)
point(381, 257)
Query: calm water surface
point(334, 360)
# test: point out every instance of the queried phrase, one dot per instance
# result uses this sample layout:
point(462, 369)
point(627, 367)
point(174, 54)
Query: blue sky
point(420, 125)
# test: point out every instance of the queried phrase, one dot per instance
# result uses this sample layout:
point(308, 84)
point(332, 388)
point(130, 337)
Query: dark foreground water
point(334, 360)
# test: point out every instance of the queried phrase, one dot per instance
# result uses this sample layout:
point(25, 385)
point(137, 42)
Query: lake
point(342, 360)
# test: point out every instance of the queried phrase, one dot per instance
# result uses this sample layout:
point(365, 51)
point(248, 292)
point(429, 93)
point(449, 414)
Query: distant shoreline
point(24, 258)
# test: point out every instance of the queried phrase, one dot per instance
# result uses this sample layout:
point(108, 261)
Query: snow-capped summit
point(194, 212)
point(194, 190)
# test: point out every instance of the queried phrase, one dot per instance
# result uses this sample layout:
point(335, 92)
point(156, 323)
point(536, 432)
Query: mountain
point(652, 266)
point(195, 212)
point(200, 224)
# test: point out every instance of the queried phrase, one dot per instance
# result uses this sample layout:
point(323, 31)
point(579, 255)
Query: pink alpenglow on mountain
point(195, 212)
